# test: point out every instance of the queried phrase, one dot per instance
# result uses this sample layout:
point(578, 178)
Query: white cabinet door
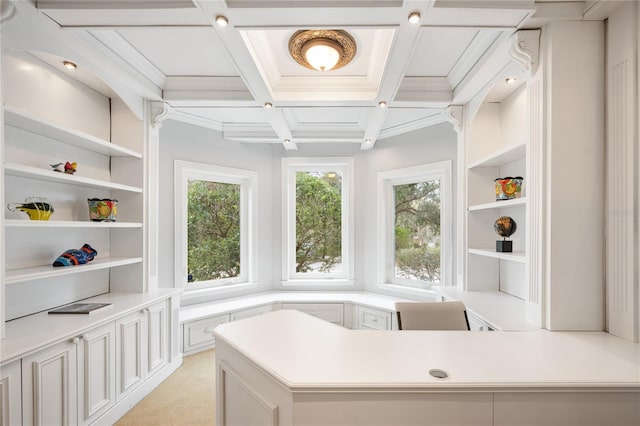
point(251, 312)
point(49, 385)
point(96, 368)
point(157, 341)
point(10, 394)
point(130, 356)
point(372, 319)
point(198, 335)
point(332, 312)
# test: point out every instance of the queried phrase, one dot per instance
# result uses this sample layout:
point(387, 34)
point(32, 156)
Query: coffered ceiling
point(172, 51)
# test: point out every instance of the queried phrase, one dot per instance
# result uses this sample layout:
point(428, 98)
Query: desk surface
point(304, 352)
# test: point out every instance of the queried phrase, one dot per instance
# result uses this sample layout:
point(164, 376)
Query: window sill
point(319, 283)
point(192, 297)
point(406, 291)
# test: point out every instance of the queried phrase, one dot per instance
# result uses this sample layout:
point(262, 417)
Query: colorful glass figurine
point(37, 208)
point(73, 257)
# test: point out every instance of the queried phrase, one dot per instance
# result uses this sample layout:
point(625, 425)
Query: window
point(317, 220)
point(215, 222)
point(414, 222)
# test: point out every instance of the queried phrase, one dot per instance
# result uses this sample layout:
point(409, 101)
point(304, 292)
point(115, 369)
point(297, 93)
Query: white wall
point(179, 141)
point(191, 143)
point(422, 146)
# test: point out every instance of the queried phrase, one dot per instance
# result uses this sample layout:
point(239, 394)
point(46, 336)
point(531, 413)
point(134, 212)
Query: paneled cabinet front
point(72, 382)
point(10, 404)
point(130, 358)
point(331, 312)
point(49, 385)
point(97, 369)
point(157, 342)
point(141, 346)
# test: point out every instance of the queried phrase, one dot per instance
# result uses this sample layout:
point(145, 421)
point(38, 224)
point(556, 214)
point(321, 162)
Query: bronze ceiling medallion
point(339, 39)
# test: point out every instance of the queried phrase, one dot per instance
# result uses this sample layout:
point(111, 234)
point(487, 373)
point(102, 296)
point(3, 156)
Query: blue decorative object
point(73, 257)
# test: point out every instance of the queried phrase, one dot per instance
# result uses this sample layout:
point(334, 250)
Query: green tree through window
point(417, 231)
point(318, 221)
point(213, 230)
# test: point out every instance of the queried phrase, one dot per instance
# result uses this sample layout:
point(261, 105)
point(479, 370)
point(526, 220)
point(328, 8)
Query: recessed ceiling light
point(367, 141)
point(268, 105)
point(287, 141)
point(510, 80)
point(414, 17)
point(382, 104)
point(222, 21)
point(69, 65)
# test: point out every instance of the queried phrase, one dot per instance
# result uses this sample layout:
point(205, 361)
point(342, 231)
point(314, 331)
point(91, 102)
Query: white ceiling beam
point(397, 63)
point(245, 65)
point(114, 4)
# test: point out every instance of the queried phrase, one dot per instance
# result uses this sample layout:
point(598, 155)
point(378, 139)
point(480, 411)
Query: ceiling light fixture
point(382, 104)
point(222, 21)
point(367, 141)
point(69, 65)
point(510, 80)
point(322, 50)
point(414, 17)
point(268, 105)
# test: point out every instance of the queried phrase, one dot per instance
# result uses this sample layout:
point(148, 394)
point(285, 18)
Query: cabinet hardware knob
point(75, 340)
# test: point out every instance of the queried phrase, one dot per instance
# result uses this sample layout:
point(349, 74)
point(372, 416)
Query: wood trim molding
point(453, 115)
point(159, 112)
point(524, 48)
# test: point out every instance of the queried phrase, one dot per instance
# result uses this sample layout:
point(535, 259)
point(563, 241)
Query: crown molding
point(185, 117)
point(437, 118)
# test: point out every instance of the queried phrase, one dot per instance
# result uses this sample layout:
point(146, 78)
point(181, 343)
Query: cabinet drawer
point(198, 334)
point(373, 319)
point(332, 312)
point(251, 312)
point(476, 324)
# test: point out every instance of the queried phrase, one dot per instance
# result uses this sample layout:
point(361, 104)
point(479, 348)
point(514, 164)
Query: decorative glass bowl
point(37, 208)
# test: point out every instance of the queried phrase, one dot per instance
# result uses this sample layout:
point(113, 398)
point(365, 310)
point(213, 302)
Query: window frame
point(290, 166)
point(386, 230)
point(247, 179)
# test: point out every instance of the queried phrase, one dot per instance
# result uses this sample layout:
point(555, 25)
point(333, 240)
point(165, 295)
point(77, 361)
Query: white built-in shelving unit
point(31, 144)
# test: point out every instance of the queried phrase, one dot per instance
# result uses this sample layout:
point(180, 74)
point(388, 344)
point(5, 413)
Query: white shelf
point(27, 274)
point(501, 157)
point(514, 256)
point(516, 202)
point(20, 170)
point(14, 223)
point(26, 121)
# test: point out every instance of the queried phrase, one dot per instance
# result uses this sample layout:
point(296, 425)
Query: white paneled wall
point(623, 185)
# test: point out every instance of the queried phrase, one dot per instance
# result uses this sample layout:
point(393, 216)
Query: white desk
point(289, 368)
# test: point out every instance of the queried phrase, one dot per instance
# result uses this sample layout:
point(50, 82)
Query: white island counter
point(288, 368)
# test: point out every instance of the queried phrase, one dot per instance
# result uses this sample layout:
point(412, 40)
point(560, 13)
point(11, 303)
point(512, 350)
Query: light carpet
point(187, 397)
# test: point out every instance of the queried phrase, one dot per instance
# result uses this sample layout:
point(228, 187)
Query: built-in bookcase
point(496, 147)
point(106, 169)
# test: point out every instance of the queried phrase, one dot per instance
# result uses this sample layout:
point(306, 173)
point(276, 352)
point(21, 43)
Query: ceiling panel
point(182, 51)
point(438, 50)
point(325, 115)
